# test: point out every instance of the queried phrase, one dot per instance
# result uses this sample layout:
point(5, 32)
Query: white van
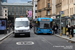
point(22, 27)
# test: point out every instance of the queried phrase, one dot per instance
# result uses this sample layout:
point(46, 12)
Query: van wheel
point(15, 35)
point(34, 32)
point(28, 35)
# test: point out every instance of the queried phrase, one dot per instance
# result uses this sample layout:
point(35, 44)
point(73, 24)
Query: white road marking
point(4, 39)
point(43, 39)
point(25, 43)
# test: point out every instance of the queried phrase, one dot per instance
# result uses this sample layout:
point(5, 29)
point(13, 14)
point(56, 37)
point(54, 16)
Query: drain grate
point(25, 43)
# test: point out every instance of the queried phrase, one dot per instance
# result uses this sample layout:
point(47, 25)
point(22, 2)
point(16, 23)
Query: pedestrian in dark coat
point(56, 28)
point(72, 31)
point(69, 27)
point(53, 29)
point(30, 25)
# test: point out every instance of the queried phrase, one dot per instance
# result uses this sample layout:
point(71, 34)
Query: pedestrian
point(72, 31)
point(30, 25)
point(69, 27)
point(56, 28)
point(53, 29)
point(67, 33)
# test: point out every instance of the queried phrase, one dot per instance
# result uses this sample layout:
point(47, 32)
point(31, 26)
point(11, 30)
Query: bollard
point(60, 34)
point(70, 36)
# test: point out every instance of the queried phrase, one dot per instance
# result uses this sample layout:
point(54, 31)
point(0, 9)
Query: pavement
point(4, 35)
point(36, 42)
point(66, 37)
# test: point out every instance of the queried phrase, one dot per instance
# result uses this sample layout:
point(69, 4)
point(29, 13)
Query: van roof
point(21, 19)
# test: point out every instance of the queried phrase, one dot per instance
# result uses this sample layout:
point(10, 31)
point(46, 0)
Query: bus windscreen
point(44, 25)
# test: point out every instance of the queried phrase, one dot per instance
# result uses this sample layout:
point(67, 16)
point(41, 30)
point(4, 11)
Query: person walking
point(53, 29)
point(74, 29)
point(67, 33)
point(72, 33)
point(30, 25)
point(69, 27)
point(56, 28)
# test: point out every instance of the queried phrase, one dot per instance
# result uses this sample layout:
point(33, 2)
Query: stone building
point(44, 8)
point(68, 7)
point(58, 6)
point(34, 9)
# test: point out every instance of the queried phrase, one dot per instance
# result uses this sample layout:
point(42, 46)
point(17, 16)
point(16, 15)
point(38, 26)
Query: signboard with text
point(62, 13)
point(30, 14)
point(2, 24)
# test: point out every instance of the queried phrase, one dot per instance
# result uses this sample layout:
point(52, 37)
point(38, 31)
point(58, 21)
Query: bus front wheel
point(34, 31)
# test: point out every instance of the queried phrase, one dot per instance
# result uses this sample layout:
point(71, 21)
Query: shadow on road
point(44, 34)
point(21, 37)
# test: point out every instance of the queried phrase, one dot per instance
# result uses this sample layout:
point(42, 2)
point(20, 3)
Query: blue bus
point(43, 25)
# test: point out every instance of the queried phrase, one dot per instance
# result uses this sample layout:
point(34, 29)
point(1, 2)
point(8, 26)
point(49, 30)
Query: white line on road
point(43, 39)
point(5, 37)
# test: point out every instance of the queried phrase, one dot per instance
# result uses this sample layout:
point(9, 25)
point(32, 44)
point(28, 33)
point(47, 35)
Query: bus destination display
point(45, 19)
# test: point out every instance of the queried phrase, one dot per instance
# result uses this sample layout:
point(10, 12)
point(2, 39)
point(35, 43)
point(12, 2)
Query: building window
point(48, 12)
point(48, 5)
point(35, 5)
point(5, 10)
point(5, 14)
point(35, 11)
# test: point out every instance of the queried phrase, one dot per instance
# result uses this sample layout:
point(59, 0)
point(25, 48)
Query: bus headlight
point(16, 31)
point(28, 30)
point(38, 30)
point(50, 30)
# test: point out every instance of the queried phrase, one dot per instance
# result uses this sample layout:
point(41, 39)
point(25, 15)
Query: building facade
point(0, 9)
point(34, 9)
point(58, 6)
point(5, 12)
point(44, 8)
point(53, 7)
point(68, 7)
point(53, 15)
point(18, 10)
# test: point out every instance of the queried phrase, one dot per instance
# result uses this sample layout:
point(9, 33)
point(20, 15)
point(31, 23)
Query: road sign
point(61, 12)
